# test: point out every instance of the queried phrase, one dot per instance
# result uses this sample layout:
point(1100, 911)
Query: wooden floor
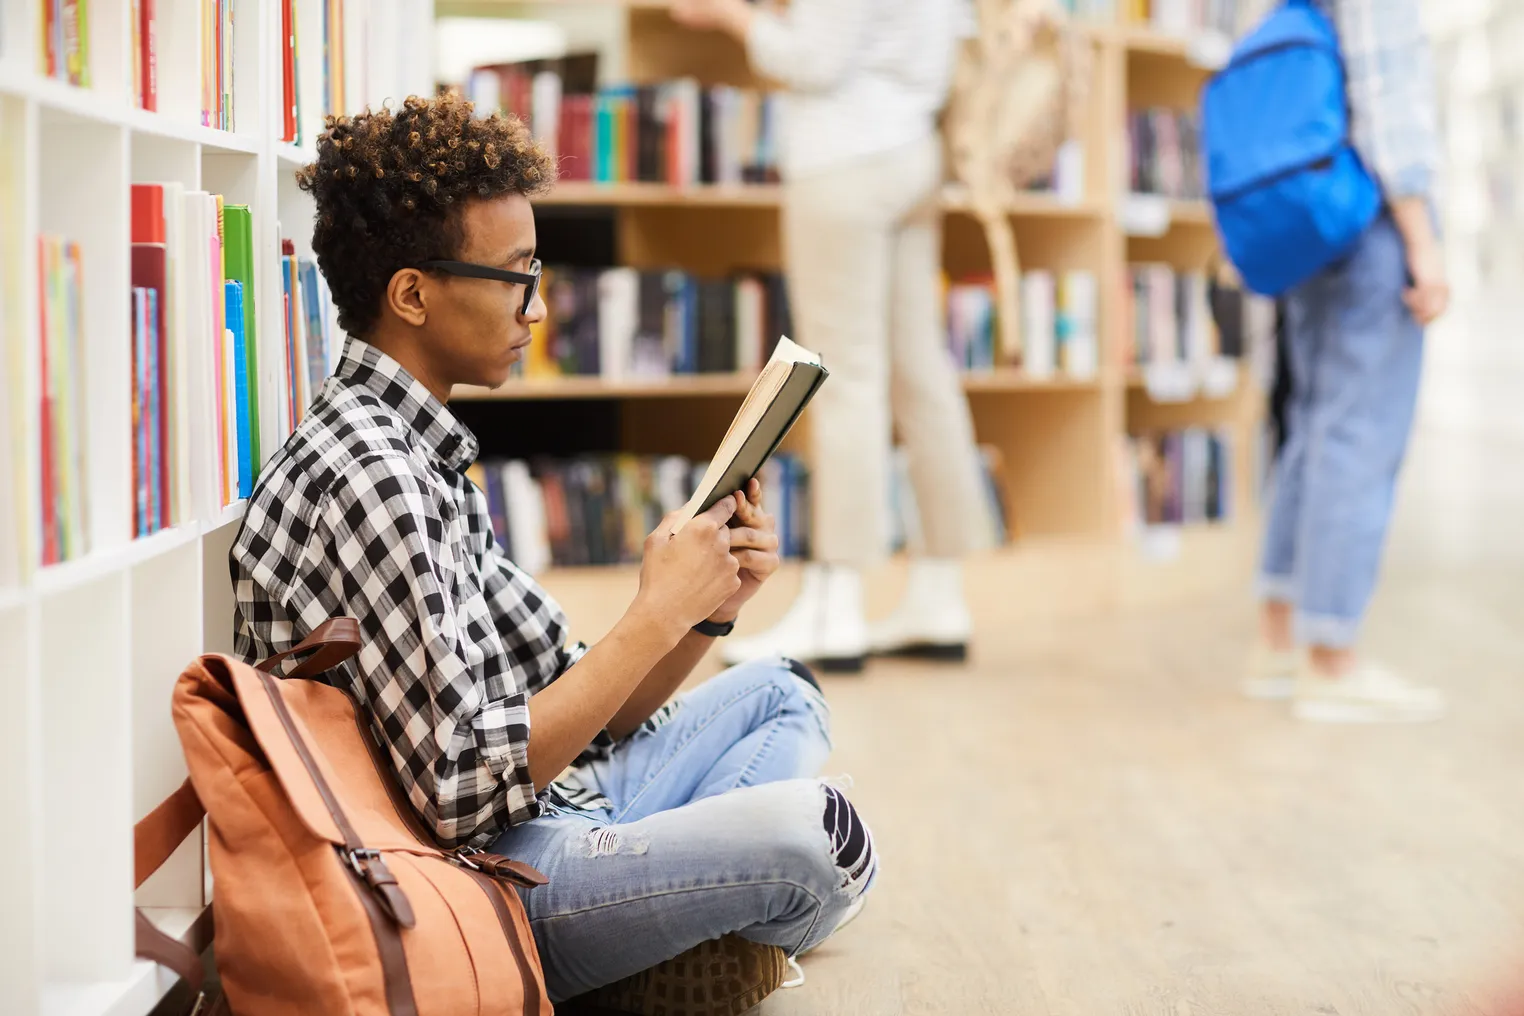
point(1089, 820)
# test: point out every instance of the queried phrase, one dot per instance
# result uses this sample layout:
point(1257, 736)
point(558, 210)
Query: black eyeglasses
point(530, 280)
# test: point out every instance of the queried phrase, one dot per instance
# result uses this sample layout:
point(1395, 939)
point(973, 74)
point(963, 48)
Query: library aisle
point(1090, 819)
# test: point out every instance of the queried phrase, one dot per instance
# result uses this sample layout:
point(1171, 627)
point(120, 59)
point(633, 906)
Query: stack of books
point(196, 350)
point(624, 322)
point(64, 511)
point(598, 509)
point(294, 50)
point(1180, 477)
point(675, 132)
point(65, 41)
point(309, 329)
point(1171, 318)
point(1164, 154)
point(1058, 327)
point(216, 62)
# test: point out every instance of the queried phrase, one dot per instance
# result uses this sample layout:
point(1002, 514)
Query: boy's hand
point(686, 576)
point(753, 545)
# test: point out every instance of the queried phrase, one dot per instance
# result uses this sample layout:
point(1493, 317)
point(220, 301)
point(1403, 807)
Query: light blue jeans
point(1355, 354)
point(713, 823)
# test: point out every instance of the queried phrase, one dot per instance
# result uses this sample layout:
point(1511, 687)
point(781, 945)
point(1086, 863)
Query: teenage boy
point(662, 828)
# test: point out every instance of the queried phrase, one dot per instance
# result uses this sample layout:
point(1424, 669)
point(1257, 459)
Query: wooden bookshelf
point(1004, 379)
point(95, 643)
point(1058, 436)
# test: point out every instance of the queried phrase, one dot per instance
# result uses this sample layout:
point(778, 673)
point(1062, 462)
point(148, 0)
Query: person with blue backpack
point(1321, 155)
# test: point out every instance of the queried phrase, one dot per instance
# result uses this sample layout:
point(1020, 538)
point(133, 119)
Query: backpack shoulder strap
point(331, 643)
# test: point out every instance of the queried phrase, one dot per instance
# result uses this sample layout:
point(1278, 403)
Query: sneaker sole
point(840, 664)
point(942, 652)
point(724, 977)
point(1360, 713)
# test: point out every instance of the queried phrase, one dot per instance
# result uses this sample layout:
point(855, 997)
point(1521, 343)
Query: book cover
point(244, 405)
point(150, 267)
point(153, 397)
point(148, 38)
point(139, 429)
point(72, 406)
point(46, 313)
point(238, 266)
point(318, 340)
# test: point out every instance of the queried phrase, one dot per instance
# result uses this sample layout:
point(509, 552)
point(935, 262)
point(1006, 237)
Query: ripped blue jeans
point(707, 821)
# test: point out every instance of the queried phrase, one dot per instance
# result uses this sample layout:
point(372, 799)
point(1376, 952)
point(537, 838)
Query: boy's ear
point(407, 296)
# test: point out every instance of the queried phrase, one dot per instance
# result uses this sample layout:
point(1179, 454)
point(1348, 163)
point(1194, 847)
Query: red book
point(147, 213)
point(150, 62)
point(150, 269)
point(50, 546)
point(288, 70)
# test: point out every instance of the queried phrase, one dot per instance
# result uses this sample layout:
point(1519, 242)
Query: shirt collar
point(448, 441)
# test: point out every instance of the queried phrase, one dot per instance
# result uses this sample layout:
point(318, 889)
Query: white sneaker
point(824, 626)
point(1270, 673)
point(1368, 693)
point(932, 618)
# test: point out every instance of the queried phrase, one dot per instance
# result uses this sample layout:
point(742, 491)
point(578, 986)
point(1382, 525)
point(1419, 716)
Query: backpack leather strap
point(334, 641)
point(154, 839)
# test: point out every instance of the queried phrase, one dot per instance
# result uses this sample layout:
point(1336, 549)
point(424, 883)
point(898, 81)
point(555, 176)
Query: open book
point(776, 399)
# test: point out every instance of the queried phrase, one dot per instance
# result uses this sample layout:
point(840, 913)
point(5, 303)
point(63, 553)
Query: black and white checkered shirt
point(366, 512)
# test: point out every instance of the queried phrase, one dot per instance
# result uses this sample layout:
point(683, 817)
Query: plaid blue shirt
point(1390, 82)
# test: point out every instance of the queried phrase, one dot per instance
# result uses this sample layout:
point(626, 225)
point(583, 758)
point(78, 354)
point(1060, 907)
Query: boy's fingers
point(756, 539)
point(722, 511)
point(759, 561)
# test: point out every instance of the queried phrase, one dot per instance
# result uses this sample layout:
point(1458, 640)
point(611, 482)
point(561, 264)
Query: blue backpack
point(1289, 192)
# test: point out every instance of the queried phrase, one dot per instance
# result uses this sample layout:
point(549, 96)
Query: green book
point(238, 263)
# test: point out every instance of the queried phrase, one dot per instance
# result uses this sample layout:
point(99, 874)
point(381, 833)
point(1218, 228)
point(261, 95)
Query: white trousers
point(862, 251)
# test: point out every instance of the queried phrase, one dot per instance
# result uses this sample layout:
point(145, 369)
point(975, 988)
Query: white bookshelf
point(94, 645)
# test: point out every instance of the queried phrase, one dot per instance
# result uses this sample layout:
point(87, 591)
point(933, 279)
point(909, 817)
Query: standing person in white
point(862, 167)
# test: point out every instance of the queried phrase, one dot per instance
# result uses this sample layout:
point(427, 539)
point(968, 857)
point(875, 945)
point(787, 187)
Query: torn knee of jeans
point(607, 841)
point(804, 673)
point(851, 843)
point(661, 717)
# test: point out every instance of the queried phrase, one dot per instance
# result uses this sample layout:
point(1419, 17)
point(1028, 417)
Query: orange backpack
point(330, 895)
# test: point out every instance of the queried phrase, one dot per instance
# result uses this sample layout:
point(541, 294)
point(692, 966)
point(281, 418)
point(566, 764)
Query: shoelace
point(798, 974)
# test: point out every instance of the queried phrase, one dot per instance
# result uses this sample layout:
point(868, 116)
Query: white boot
point(932, 618)
point(825, 625)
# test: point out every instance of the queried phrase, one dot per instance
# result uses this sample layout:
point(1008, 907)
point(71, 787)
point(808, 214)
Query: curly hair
point(390, 187)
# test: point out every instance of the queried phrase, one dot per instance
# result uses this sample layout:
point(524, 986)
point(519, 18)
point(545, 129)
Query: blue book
point(152, 395)
point(317, 328)
point(139, 404)
point(603, 137)
point(234, 313)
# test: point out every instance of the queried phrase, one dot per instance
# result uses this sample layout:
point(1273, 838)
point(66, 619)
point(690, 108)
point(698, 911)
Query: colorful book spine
point(242, 389)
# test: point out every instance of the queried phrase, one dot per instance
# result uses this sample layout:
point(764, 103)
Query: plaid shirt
point(1390, 83)
point(366, 512)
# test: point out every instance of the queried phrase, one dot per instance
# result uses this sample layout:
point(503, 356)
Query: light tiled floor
point(1089, 820)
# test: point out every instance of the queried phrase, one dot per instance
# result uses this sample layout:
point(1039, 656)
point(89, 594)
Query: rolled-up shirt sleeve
point(810, 45)
point(1390, 83)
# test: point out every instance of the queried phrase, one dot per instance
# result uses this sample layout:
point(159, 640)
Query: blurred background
point(1084, 815)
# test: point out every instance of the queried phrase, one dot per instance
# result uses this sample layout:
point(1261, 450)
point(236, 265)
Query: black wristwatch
point(714, 629)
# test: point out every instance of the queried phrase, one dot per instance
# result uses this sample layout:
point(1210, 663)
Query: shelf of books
point(663, 279)
point(162, 328)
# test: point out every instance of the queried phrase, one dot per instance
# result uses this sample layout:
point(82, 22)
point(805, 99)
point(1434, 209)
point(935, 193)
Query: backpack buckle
point(358, 857)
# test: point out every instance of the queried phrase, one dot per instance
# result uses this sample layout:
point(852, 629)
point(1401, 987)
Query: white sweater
point(863, 76)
